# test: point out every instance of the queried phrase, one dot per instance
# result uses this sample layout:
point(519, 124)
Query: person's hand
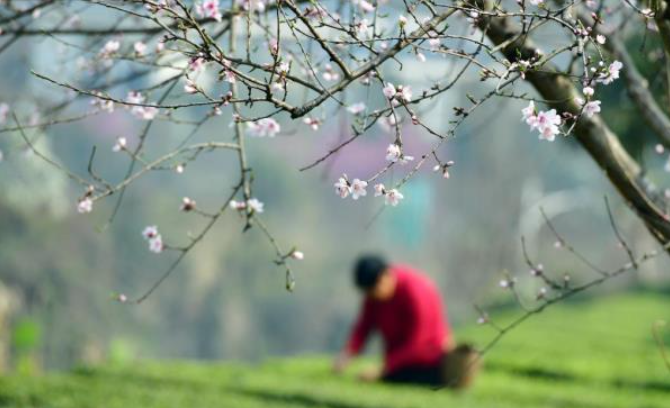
point(369, 375)
point(448, 345)
point(341, 362)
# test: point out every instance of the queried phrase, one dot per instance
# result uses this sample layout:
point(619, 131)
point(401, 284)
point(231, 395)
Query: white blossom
point(149, 232)
point(111, 47)
point(297, 255)
point(358, 189)
point(266, 127)
point(393, 153)
point(342, 187)
point(156, 244)
point(120, 144)
point(190, 87)
point(85, 205)
point(393, 197)
point(255, 205)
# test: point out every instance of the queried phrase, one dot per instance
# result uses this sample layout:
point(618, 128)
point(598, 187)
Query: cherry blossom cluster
point(548, 123)
point(264, 68)
point(357, 188)
point(545, 122)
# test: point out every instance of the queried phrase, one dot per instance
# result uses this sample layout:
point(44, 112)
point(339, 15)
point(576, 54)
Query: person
point(405, 307)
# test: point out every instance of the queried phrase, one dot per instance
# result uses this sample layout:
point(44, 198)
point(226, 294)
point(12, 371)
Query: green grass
point(588, 354)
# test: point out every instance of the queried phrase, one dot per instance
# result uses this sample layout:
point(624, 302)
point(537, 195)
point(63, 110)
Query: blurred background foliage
point(58, 269)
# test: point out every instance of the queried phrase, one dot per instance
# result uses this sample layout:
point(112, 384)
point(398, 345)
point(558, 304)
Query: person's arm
point(357, 339)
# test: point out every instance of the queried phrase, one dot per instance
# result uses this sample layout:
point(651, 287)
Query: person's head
point(372, 277)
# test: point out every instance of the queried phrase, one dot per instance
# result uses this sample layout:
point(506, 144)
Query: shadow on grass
point(544, 374)
point(295, 398)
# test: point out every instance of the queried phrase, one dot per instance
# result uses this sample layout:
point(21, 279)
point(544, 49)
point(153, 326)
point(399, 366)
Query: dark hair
point(367, 271)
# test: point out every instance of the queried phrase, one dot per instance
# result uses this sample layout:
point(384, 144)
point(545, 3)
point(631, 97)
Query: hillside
point(598, 354)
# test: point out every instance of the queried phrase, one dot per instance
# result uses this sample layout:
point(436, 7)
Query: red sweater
point(411, 323)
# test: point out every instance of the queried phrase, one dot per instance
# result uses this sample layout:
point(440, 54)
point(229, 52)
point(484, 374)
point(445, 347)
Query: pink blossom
point(85, 205)
point(140, 48)
point(156, 244)
point(273, 44)
point(4, 112)
point(237, 205)
point(529, 114)
point(364, 5)
point(196, 64)
point(611, 74)
point(209, 9)
point(379, 190)
point(150, 232)
point(329, 74)
point(312, 122)
point(229, 76)
point(591, 108)
point(356, 108)
point(389, 90)
point(266, 127)
point(362, 28)
point(546, 122)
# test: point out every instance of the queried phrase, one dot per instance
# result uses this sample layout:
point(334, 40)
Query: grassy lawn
point(591, 354)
